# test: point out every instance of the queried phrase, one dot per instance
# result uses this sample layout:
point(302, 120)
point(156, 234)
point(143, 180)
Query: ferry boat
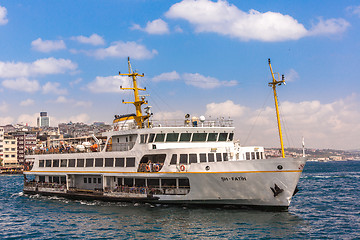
point(193, 161)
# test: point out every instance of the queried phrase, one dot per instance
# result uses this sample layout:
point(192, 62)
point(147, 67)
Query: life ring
point(148, 168)
point(157, 168)
point(182, 168)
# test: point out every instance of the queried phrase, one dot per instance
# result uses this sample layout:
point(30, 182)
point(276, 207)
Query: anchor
point(276, 190)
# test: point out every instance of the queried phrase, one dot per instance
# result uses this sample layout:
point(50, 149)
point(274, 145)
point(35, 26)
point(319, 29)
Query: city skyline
point(199, 57)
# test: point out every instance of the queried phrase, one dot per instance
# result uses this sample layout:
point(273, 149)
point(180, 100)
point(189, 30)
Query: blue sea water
point(327, 206)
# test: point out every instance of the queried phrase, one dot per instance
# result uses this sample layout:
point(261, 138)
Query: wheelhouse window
point(119, 162)
point(199, 137)
point(143, 138)
point(212, 137)
point(223, 137)
point(89, 162)
point(185, 137)
point(231, 136)
point(99, 162)
point(172, 137)
point(109, 162)
point(130, 162)
point(160, 137)
point(151, 137)
point(71, 162)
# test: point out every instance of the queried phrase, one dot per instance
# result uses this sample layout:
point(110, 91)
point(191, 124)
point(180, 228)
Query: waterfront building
point(1, 144)
point(43, 120)
point(10, 151)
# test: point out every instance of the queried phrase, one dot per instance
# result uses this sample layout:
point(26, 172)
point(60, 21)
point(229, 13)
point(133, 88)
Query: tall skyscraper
point(43, 120)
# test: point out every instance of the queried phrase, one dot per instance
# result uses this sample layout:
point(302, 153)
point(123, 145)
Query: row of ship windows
point(186, 137)
point(154, 182)
point(88, 162)
point(202, 157)
point(254, 155)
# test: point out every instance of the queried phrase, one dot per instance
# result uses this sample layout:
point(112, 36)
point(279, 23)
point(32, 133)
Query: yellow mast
point(138, 100)
point(273, 84)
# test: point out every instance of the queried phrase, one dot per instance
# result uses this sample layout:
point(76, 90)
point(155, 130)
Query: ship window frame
point(212, 137)
point(223, 137)
point(85, 180)
point(151, 138)
point(109, 160)
point(199, 137)
point(79, 161)
point(257, 155)
point(184, 183)
point(55, 163)
point(89, 162)
point(253, 155)
point(212, 158)
point(130, 162)
point(172, 137)
point(120, 161)
point(99, 180)
point(41, 163)
point(143, 138)
point(89, 180)
point(99, 160)
point(218, 157)
point(62, 161)
point(231, 136)
point(225, 157)
point(185, 137)
point(192, 158)
point(202, 157)
point(160, 137)
point(184, 159)
point(72, 162)
point(248, 157)
point(173, 160)
point(48, 163)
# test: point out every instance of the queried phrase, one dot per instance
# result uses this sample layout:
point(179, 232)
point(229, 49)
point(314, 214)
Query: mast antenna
point(273, 84)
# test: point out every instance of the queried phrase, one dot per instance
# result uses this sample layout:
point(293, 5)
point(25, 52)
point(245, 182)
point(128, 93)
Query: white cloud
point(3, 106)
point(169, 115)
point(324, 125)
point(198, 80)
point(6, 120)
point(22, 84)
point(43, 66)
point(53, 87)
point(123, 49)
point(75, 82)
point(291, 76)
point(47, 45)
point(61, 99)
point(94, 39)
point(3, 13)
point(329, 27)
point(168, 76)
point(80, 118)
point(226, 19)
point(158, 26)
point(27, 102)
point(83, 103)
point(355, 10)
point(72, 102)
point(30, 120)
point(224, 109)
point(109, 84)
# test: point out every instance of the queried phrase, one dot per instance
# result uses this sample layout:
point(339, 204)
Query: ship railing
point(221, 122)
point(45, 185)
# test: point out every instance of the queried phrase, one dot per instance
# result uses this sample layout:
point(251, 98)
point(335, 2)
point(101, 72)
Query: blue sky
point(199, 57)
